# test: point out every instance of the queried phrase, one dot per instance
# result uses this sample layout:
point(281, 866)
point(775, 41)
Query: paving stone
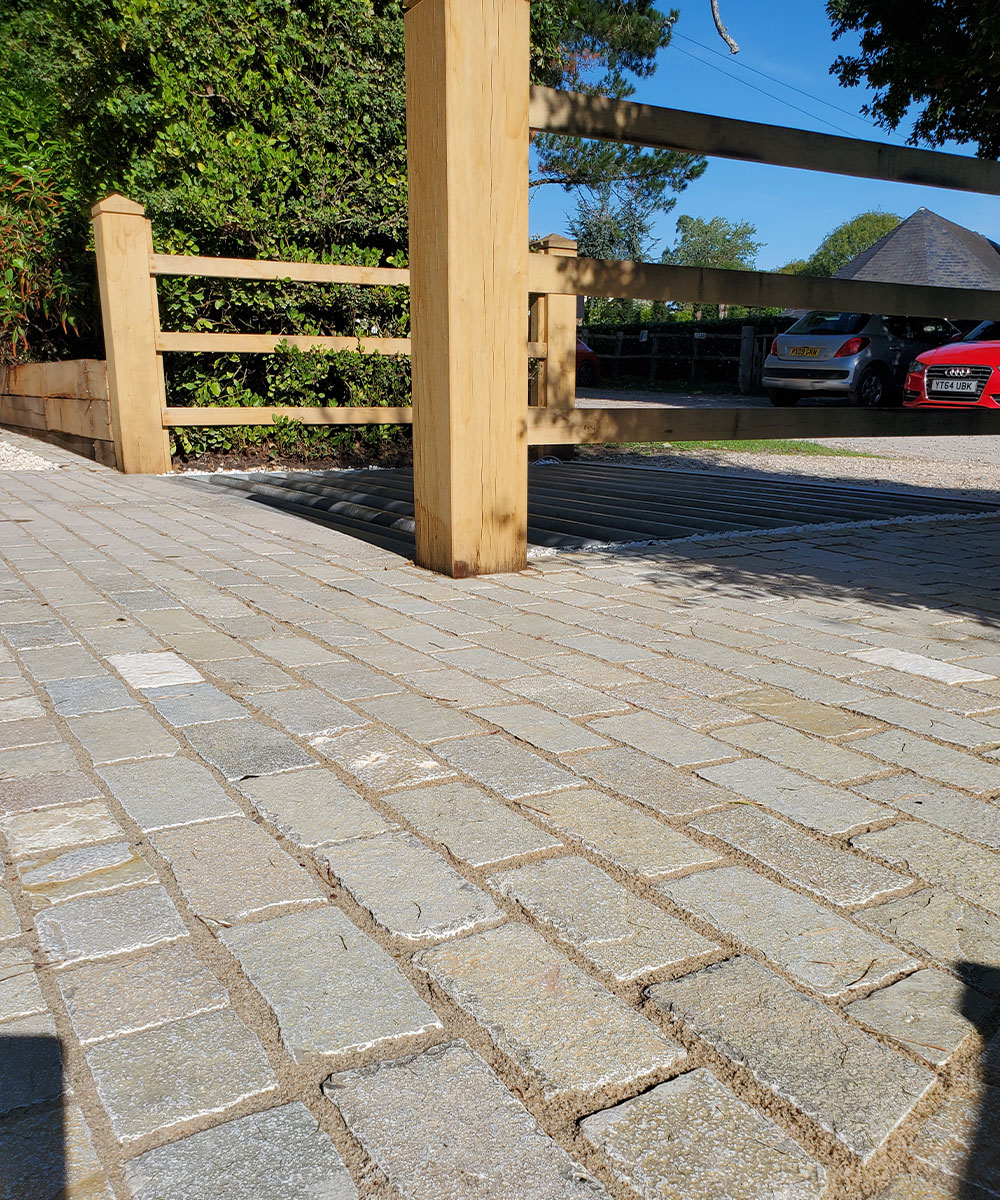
point(242, 748)
point(408, 889)
point(912, 1187)
point(826, 809)
point(942, 763)
point(977, 820)
point(30, 1063)
point(962, 1140)
point(425, 721)
point(940, 858)
point(455, 687)
point(50, 1154)
point(34, 732)
point(382, 760)
point(614, 830)
point(62, 662)
point(45, 791)
point(20, 995)
point(692, 1137)
point(929, 1012)
point(562, 1029)
point(823, 720)
point(281, 1154)
point(824, 951)
point(107, 1000)
point(307, 711)
point(351, 681)
point(168, 791)
point(919, 664)
point(617, 931)
point(486, 664)
point(20, 708)
point(598, 674)
point(692, 711)
point(56, 877)
point(566, 696)
point(99, 926)
point(92, 694)
point(116, 736)
point(121, 639)
point(295, 651)
point(853, 1087)
point(921, 718)
point(662, 739)
point(46, 830)
point(37, 634)
point(153, 670)
point(330, 986)
point(470, 824)
point(822, 760)
point(194, 704)
point(22, 764)
point(231, 868)
point(249, 675)
point(836, 875)
point(10, 926)
point(312, 807)
point(650, 782)
point(541, 728)
point(510, 770)
point(189, 1068)
point(945, 927)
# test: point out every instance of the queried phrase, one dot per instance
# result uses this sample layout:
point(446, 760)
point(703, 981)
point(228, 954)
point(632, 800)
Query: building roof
point(927, 249)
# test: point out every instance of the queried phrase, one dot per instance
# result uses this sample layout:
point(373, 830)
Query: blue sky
point(792, 44)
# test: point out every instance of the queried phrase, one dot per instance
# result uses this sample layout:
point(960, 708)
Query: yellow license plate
point(803, 351)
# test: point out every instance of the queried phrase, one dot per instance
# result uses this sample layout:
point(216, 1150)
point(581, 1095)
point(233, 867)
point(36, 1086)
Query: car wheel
point(783, 399)
point(586, 376)
point(872, 388)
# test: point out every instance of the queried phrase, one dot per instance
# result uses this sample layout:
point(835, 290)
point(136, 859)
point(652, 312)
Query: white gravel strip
point(15, 458)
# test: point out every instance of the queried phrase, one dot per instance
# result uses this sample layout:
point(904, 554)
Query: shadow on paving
point(980, 1173)
point(33, 1159)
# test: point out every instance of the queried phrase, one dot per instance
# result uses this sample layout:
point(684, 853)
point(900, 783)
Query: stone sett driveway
point(664, 874)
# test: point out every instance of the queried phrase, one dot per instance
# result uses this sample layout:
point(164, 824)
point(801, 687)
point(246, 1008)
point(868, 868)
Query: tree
point(729, 245)
point(938, 56)
point(847, 241)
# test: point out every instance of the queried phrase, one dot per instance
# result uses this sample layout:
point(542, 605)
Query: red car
point(964, 373)
point(588, 365)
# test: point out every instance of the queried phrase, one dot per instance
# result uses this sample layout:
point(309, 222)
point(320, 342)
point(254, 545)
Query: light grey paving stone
point(92, 694)
point(821, 760)
point(962, 1140)
point(441, 1126)
point(127, 734)
point(424, 720)
point(189, 1068)
point(929, 1012)
point(663, 739)
point(692, 1137)
point(808, 716)
point(30, 1063)
point(817, 806)
point(853, 1087)
point(470, 824)
point(44, 831)
point(231, 868)
point(98, 926)
point(393, 659)
point(455, 687)
point(52, 759)
point(62, 662)
point(596, 674)
point(939, 858)
point(510, 770)
point(409, 890)
point(248, 675)
point(614, 830)
point(33, 732)
point(919, 664)
point(381, 759)
point(824, 951)
point(121, 639)
point(36, 634)
point(650, 782)
point(167, 791)
point(539, 727)
point(19, 708)
point(960, 700)
point(194, 704)
point(561, 1028)
point(977, 820)
point(20, 995)
point(50, 1154)
point(566, 696)
point(281, 1154)
point(53, 878)
point(45, 791)
point(351, 681)
point(942, 763)
point(836, 875)
point(10, 926)
point(241, 748)
point(159, 669)
point(486, 664)
point(295, 651)
point(107, 1000)
point(330, 986)
point(692, 711)
point(921, 718)
point(307, 711)
point(618, 932)
point(946, 927)
point(312, 807)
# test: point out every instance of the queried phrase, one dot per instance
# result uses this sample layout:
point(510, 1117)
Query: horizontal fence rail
point(263, 270)
point(605, 119)
point(341, 415)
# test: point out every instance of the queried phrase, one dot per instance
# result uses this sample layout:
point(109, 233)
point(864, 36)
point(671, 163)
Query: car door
point(898, 342)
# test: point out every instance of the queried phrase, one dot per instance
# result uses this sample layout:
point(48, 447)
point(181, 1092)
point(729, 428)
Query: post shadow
point(981, 1174)
point(32, 1134)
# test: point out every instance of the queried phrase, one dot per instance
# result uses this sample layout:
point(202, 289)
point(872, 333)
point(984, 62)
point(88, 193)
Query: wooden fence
point(65, 403)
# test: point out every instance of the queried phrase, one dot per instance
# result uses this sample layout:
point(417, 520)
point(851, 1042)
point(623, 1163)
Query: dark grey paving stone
point(308, 711)
point(240, 749)
point(91, 694)
point(194, 704)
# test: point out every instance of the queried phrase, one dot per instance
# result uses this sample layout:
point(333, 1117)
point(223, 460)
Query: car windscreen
point(985, 331)
point(830, 322)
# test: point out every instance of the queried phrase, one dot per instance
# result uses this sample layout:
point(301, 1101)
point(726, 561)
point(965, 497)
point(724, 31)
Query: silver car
point(857, 355)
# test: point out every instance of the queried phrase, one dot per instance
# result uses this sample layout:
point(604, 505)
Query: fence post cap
point(555, 241)
point(118, 204)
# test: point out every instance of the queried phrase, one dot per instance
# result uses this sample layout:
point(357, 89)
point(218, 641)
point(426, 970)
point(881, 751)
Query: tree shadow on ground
point(980, 1172)
point(33, 1159)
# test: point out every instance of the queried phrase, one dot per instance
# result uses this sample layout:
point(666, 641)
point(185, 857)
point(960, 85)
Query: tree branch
point(723, 32)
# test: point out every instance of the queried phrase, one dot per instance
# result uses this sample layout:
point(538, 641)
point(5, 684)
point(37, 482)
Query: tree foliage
point(845, 242)
point(729, 245)
point(938, 55)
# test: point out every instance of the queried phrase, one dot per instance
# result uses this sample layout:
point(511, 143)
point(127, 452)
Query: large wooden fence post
point(467, 73)
point(124, 243)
